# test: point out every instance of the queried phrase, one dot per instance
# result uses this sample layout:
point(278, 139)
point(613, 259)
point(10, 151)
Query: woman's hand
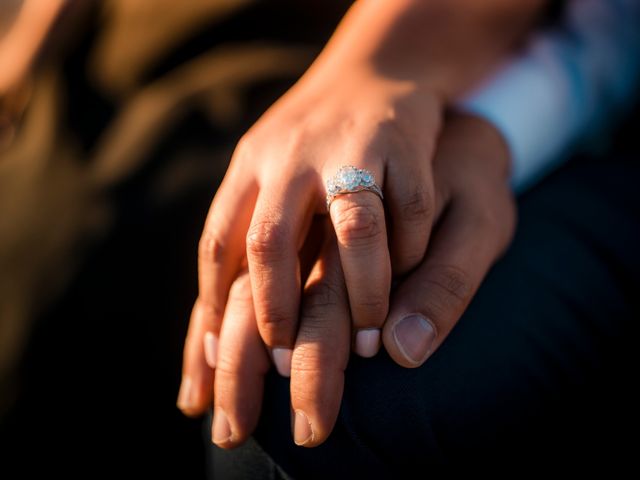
point(275, 185)
point(474, 216)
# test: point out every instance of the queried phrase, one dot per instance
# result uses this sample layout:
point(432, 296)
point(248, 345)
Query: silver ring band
point(350, 179)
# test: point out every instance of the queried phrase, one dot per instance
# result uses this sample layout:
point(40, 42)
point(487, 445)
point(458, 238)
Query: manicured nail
point(282, 360)
point(367, 342)
point(414, 336)
point(185, 396)
point(221, 432)
point(302, 431)
point(210, 348)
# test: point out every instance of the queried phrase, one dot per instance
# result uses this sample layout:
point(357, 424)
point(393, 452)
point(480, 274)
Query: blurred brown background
point(117, 119)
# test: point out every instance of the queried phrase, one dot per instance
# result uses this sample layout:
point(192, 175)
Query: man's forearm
point(443, 43)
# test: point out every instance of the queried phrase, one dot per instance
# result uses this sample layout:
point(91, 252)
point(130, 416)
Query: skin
point(371, 102)
point(473, 201)
point(23, 30)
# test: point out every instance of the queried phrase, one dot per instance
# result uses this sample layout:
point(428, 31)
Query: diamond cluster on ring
point(349, 178)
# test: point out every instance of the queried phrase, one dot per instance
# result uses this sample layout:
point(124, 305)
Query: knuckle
point(227, 367)
point(358, 225)
point(274, 324)
point(209, 311)
point(275, 318)
point(319, 300)
point(267, 239)
point(240, 291)
point(314, 328)
point(416, 208)
point(449, 287)
point(375, 304)
point(211, 249)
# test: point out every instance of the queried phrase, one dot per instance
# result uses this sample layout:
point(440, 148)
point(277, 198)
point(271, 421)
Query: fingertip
point(221, 432)
point(410, 340)
point(210, 341)
point(230, 430)
point(367, 343)
point(191, 400)
point(282, 360)
point(185, 394)
point(191, 413)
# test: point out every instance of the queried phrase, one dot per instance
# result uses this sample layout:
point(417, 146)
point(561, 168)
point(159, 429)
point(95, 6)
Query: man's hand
point(475, 221)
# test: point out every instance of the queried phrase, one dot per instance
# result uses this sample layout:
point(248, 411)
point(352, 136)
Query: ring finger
point(359, 223)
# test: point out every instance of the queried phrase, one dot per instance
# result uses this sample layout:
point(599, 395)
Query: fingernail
point(221, 432)
point(302, 431)
point(282, 360)
point(185, 395)
point(210, 348)
point(367, 342)
point(414, 336)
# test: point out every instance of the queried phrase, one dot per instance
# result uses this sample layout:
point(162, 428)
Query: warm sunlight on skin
point(23, 39)
point(375, 100)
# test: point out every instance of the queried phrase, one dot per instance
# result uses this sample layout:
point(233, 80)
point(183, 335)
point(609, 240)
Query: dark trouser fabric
point(537, 374)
